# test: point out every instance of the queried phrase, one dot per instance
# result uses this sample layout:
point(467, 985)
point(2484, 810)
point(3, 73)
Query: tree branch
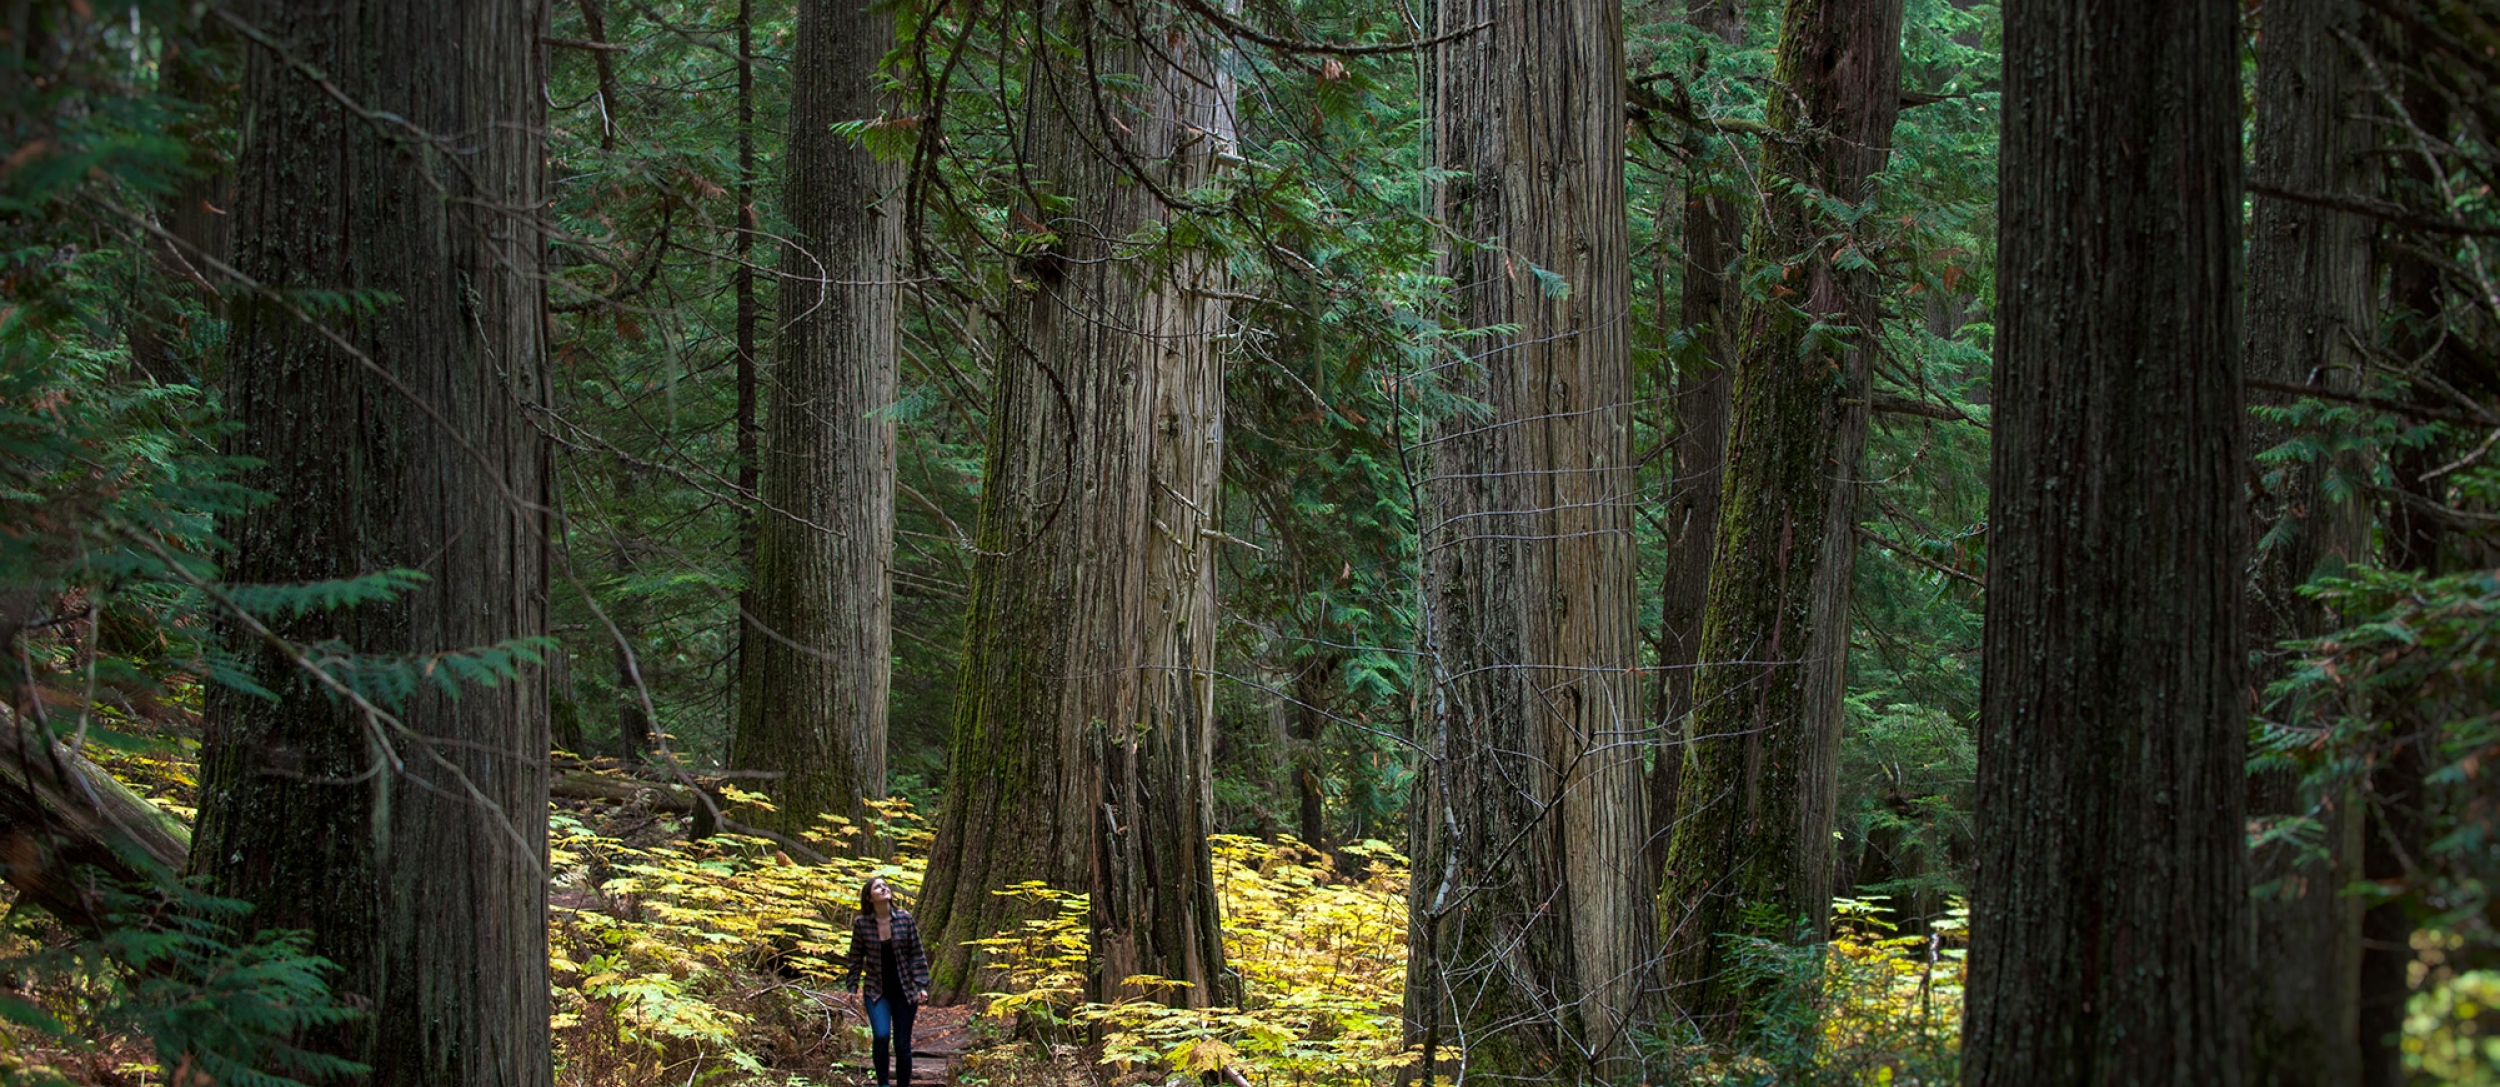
point(2395, 407)
point(1245, 31)
point(1873, 537)
point(1640, 101)
point(2383, 212)
point(1902, 405)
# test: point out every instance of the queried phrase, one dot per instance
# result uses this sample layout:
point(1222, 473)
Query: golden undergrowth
point(717, 961)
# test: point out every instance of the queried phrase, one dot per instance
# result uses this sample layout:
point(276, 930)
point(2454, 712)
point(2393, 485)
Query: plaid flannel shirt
point(911, 960)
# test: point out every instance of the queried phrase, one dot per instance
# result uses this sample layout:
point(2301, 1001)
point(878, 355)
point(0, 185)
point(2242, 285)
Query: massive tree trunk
point(1762, 772)
point(815, 651)
point(1713, 239)
point(1084, 721)
point(1530, 933)
point(2310, 305)
point(2107, 915)
point(415, 855)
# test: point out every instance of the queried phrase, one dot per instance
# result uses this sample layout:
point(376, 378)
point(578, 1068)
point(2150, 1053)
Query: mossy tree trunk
point(1713, 240)
point(1761, 772)
point(2310, 305)
point(815, 652)
point(2107, 927)
point(415, 857)
point(1083, 737)
point(1530, 938)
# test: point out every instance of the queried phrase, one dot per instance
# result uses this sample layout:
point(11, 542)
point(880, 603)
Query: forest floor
point(717, 961)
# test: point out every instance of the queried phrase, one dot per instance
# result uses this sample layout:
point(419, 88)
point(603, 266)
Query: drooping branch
point(2383, 211)
point(1888, 404)
point(1254, 35)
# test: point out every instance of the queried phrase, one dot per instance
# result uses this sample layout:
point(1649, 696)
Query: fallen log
point(67, 827)
point(655, 795)
point(704, 818)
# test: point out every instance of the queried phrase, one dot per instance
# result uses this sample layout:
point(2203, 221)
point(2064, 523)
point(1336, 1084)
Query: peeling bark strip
point(2106, 932)
point(429, 192)
point(1084, 724)
point(1530, 932)
point(2309, 302)
point(814, 659)
point(1758, 793)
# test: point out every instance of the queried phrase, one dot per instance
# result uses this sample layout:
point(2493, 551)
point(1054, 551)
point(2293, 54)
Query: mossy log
point(67, 828)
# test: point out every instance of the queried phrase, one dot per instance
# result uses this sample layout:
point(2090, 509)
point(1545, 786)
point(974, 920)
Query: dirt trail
point(939, 1038)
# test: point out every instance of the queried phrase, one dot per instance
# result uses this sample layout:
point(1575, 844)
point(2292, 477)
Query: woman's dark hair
point(866, 906)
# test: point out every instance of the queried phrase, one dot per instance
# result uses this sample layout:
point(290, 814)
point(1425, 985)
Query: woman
point(891, 970)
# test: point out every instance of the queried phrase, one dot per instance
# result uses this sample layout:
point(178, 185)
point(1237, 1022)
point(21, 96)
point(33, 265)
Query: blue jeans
point(889, 1024)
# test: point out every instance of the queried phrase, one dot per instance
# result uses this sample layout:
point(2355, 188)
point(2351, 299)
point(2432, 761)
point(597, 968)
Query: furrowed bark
point(2310, 304)
point(815, 657)
point(1084, 716)
point(1530, 936)
point(2107, 919)
point(1761, 775)
point(415, 857)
